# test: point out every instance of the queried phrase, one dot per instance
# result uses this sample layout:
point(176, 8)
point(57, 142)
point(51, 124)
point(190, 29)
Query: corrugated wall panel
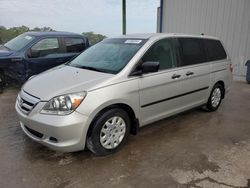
point(227, 19)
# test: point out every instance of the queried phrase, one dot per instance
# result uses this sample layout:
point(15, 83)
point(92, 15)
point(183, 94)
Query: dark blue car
point(34, 52)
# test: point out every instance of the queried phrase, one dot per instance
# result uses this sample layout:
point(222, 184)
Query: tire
point(105, 136)
point(215, 98)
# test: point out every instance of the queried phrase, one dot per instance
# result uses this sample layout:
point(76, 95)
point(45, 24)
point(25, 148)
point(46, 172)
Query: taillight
point(231, 67)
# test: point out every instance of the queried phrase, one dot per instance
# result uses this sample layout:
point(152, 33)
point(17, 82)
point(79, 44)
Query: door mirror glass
point(150, 66)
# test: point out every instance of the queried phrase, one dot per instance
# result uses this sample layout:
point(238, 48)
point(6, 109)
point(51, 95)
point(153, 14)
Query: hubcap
point(216, 97)
point(112, 132)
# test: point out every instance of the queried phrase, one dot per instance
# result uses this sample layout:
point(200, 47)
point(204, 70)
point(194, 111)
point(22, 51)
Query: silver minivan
point(119, 85)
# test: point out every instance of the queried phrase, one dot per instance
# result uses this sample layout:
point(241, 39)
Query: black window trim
point(177, 53)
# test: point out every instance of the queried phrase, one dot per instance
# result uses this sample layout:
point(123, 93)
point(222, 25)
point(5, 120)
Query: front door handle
point(189, 73)
point(176, 76)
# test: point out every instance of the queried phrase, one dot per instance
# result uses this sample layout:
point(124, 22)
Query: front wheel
point(109, 132)
point(215, 98)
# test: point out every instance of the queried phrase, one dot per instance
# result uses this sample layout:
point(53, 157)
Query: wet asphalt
point(193, 149)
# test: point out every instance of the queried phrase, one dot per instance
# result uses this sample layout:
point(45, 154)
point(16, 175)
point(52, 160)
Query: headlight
point(64, 104)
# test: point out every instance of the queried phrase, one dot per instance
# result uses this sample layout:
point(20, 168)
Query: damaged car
point(34, 52)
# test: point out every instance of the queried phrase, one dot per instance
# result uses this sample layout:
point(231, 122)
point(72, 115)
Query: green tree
point(93, 37)
point(10, 33)
point(7, 34)
point(42, 29)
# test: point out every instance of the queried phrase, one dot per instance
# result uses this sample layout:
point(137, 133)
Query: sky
point(99, 16)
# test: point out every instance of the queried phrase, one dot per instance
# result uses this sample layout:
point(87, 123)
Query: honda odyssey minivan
point(119, 85)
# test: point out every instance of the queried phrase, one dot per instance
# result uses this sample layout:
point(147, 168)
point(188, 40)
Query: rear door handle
point(176, 76)
point(189, 73)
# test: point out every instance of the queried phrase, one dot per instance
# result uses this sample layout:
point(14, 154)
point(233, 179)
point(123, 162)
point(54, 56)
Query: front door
point(158, 90)
point(45, 54)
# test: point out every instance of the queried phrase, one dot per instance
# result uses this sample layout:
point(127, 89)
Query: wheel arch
point(223, 86)
point(123, 106)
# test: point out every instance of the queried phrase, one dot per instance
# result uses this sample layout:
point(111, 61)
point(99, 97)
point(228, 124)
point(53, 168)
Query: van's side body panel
point(221, 72)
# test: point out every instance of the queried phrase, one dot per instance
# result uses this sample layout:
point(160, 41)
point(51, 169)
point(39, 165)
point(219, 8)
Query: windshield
point(110, 56)
point(19, 42)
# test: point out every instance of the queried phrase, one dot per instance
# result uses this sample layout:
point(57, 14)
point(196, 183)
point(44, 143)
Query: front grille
point(35, 133)
point(26, 102)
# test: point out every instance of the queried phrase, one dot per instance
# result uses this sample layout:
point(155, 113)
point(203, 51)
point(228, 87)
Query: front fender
point(122, 93)
point(15, 69)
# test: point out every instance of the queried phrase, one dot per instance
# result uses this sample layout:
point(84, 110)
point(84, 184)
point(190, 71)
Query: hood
point(63, 80)
point(5, 53)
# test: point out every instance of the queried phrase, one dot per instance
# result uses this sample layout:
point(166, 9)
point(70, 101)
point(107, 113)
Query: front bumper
point(61, 133)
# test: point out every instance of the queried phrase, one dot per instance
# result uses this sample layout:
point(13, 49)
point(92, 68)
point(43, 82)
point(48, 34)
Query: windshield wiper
point(6, 47)
point(94, 69)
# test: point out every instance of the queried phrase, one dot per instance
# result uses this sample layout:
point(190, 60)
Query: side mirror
point(150, 66)
point(32, 53)
point(29, 53)
point(247, 63)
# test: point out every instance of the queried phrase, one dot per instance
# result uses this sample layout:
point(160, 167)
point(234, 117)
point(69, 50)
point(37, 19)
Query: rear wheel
point(215, 98)
point(109, 132)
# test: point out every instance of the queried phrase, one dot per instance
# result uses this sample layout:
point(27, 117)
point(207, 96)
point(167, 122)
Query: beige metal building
point(227, 19)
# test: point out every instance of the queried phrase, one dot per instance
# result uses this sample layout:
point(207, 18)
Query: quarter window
point(192, 51)
point(74, 45)
point(162, 52)
point(45, 47)
point(215, 50)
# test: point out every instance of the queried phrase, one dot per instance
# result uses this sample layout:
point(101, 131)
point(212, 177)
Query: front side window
point(19, 42)
point(162, 52)
point(74, 45)
point(192, 51)
point(45, 47)
point(110, 55)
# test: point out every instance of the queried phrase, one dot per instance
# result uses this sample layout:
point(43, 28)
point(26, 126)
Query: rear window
point(192, 51)
point(215, 50)
point(74, 45)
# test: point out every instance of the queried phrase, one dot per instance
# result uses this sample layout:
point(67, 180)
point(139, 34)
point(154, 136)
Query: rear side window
point(215, 50)
point(192, 51)
point(74, 45)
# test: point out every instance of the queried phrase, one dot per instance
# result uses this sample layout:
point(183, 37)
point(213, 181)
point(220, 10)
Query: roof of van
point(52, 33)
point(155, 35)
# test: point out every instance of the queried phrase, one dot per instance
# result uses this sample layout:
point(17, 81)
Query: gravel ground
point(193, 149)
